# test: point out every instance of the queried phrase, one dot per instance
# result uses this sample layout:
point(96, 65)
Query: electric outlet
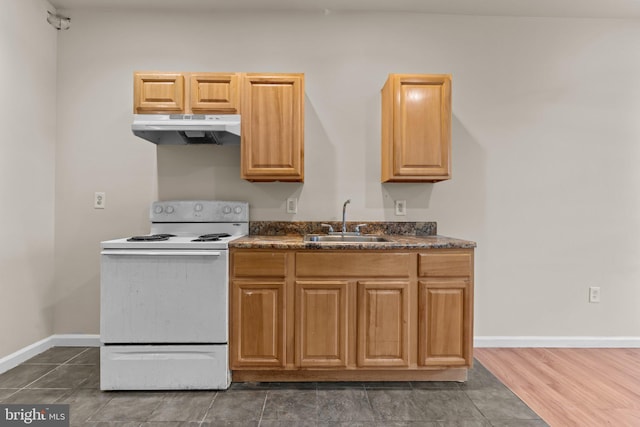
point(99, 200)
point(292, 205)
point(401, 207)
point(594, 294)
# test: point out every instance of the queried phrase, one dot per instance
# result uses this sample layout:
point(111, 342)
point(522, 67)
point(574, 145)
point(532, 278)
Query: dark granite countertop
point(395, 242)
point(400, 235)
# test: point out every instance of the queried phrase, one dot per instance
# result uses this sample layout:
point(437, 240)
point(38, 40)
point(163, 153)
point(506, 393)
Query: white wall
point(27, 159)
point(545, 147)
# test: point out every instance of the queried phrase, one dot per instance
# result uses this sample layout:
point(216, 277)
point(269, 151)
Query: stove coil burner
point(211, 237)
point(150, 238)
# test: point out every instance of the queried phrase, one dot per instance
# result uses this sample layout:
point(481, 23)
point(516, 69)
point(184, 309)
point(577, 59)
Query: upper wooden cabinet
point(416, 128)
point(271, 106)
point(272, 123)
point(186, 93)
point(214, 93)
point(158, 93)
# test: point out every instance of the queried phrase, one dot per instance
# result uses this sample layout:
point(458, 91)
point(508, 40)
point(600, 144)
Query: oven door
point(163, 296)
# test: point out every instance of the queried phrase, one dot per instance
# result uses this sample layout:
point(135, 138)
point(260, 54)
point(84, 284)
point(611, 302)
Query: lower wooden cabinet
point(321, 323)
point(296, 313)
point(257, 324)
point(383, 323)
point(444, 332)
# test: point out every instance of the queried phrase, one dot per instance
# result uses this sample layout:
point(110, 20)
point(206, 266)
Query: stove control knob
point(198, 207)
point(158, 209)
point(226, 209)
point(237, 209)
point(169, 209)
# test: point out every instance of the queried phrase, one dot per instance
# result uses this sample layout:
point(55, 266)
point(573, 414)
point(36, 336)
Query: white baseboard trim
point(93, 340)
point(26, 353)
point(75, 340)
point(63, 340)
point(558, 342)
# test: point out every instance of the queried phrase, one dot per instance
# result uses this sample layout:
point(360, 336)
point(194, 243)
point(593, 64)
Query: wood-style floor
point(571, 387)
point(71, 376)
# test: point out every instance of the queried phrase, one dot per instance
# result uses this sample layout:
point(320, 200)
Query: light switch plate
point(292, 205)
point(401, 207)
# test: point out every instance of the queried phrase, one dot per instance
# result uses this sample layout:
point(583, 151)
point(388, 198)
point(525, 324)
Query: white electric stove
point(164, 299)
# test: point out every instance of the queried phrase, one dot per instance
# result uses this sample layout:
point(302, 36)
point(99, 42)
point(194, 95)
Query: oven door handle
point(120, 252)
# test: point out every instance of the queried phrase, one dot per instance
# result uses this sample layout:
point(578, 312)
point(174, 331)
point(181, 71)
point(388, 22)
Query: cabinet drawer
point(340, 264)
point(259, 264)
point(444, 264)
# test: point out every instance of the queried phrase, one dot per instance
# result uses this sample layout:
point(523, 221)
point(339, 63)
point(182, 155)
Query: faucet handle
point(328, 225)
point(359, 226)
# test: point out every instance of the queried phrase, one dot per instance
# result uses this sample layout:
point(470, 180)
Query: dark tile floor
point(71, 375)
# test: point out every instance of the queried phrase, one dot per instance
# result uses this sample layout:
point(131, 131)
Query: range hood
point(180, 129)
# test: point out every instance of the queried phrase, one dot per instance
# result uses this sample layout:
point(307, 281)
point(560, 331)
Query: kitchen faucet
point(344, 216)
point(344, 224)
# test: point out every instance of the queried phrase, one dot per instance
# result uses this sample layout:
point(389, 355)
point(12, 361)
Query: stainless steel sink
point(336, 238)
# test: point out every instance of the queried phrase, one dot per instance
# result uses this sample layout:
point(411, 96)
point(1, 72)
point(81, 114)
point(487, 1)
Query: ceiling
point(537, 8)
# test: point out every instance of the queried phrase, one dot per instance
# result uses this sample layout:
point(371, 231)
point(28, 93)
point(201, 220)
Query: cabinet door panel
point(419, 129)
point(444, 319)
point(321, 323)
point(214, 93)
point(383, 324)
point(416, 134)
point(272, 127)
point(258, 324)
point(158, 93)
